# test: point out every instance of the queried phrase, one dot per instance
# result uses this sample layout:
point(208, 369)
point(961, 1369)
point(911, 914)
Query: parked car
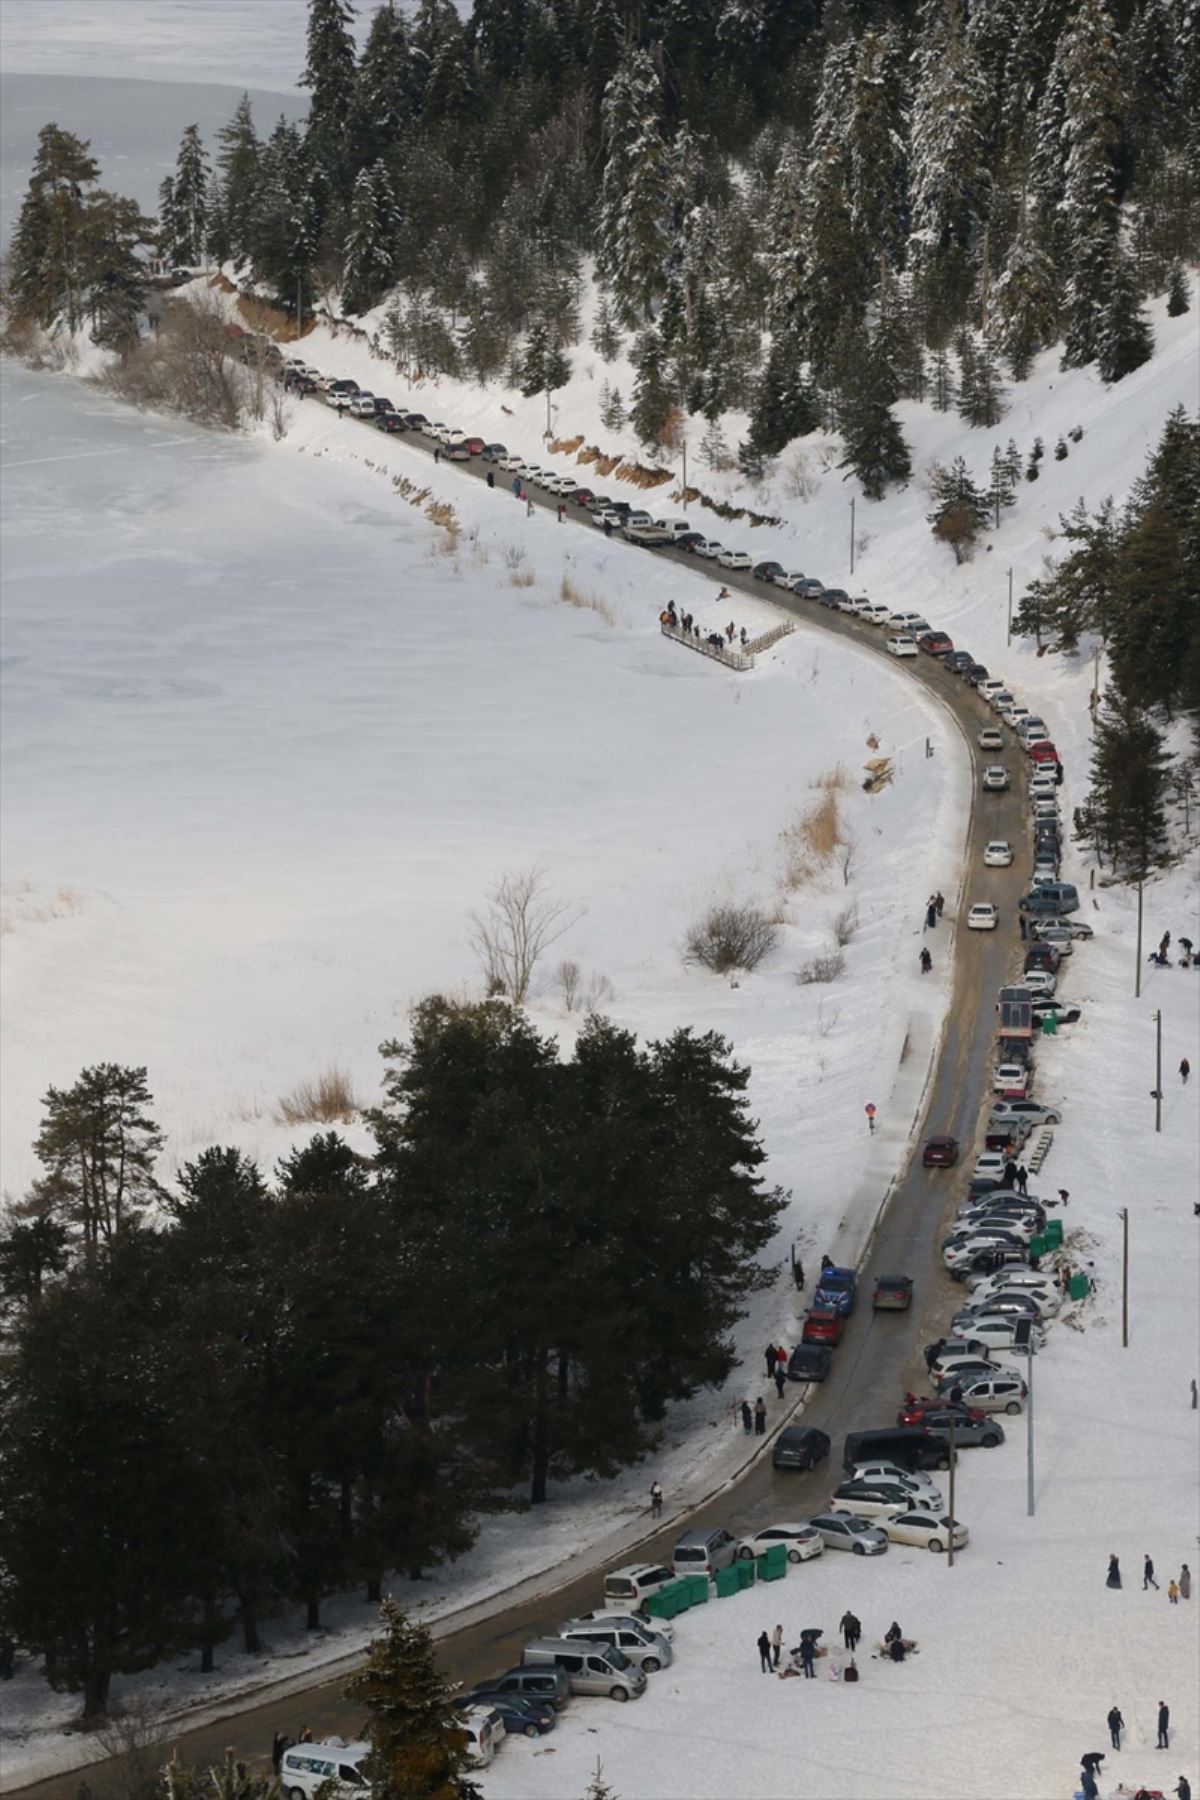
point(904, 1446)
point(954, 1366)
point(995, 1393)
point(799, 1447)
point(549, 1685)
point(989, 1162)
point(390, 422)
point(1000, 1329)
point(307, 1767)
point(983, 916)
point(838, 1288)
point(1036, 1112)
point(589, 1668)
point(1042, 956)
point(734, 559)
point(868, 1499)
point(769, 571)
point(512, 464)
point(803, 1543)
point(844, 1531)
point(911, 622)
point(987, 1262)
point(1063, 1012)
point(663, 1627)
point(709, 548)
point(973, 675)
point(630, 1587)
point(998, 854)
point(521, 1718)
point(971, 1427)
point(493, 452)
point(791, 580)
point(1052, 929)
point(935, 643)
point(581, 496)
point(704, 1551)
point(940, 1152)
point(362, 406)
point(1040, 981)
point(833, 597)
point(810, 588)
point(893, 1293)
point(689, 540)
point(1041, 751)
point(901, 645)
point(1011, 1080)
point(823, 1325)
point(995, 779)
point(809, 1362)
point(637, 1641)
point(997, 1287)
point(456, 452)
point(874, 613)
point(926, 1530)
point(958, 660)
point(889, 1473)
point(990, 738)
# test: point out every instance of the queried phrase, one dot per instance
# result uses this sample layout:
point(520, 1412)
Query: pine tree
point(875, 181)
point(1124, 339)
point(635, 193)
point(449, 89)
point(875, 448)
point(714, 451)
point(949, 181)
point(1130, 772)
point(1154, 643)
point(558, 367)
point(383, 90)
point(368, 256)
point(612, 408)
point(189, 202)
point(606, 339)
point(652, 395)
point(960, 509)
point(968, 366)
point(98, 1146)
point(1026, 300)
point(533, 363)
point(986, 402)
point(331, 76)
point(418, 1748)
point(751, 462)
point(239, 160)
point(49, 260)
point(1178, 298)
point(1089, 148)
point(833, 281)
point(785, 406)
point(942, 382)
point(1001, 489)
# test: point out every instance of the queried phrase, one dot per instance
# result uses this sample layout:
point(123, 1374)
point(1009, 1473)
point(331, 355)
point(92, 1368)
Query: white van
point(305, 1766)
point(676, 527)
point(485, 1732)
point(589, 1668)
point(875, 612)
point(628, 1589)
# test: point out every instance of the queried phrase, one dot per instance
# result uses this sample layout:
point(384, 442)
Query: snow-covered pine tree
point(533, 362)
point(785, 406)
point(1178, 298)
point(449, 89)
point(834, 284)
point(941, 382)
point(987, 390)
point(331, 76)
point(1001, 488)
point(189, 201)
point(960, 510)
point(949, 181)
point(383, 90)
point(239, 159)
point(635, 193)
point(875, 137)
point(1089, 149)
point(606, 339)
point(1025, 298)
point(168, 223)
point(49, 245)
point(418, 1751)
point(217, 245)
point(785, 234)
point(558, 367)
point(875, 448)
point(968, 364)
point(652, 394)
point(751, 462)
point(368, 253)
point(714, 451)
point(612, 408)
point(1124, 340)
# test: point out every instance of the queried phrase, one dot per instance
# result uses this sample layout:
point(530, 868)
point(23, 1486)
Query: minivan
point(704, 1552)
point(589, 1670)
point(1065, 892)
point(485, 1732)
point(306, 1766)
point(628, 1589)
point(643, 1646)
point(908, 1446)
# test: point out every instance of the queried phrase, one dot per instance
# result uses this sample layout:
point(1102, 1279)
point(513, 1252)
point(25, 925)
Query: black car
point(832, 597)
point(299, 384)
point(389, 421)
point(415, 421)
point(383, 406)
point(799, 1447)
point(689, 540)
point(493, 452)
point(766, 571)
point(526, 1718)
point(809, 1362)
point(974, 675)
point(343, 386)
point(959, 661)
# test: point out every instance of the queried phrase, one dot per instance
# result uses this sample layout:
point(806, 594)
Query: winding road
point(880, 1353)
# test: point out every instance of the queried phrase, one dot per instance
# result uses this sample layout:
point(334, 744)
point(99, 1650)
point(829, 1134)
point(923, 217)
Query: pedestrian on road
point(1087, 1785)
point(798, 1275)
point(1164, 1726)
point(279, 1743)
point(939, 903)
point(926, 962)
point(1116, 1725)
point(771, 1355)
point(1114, 1573)
point(1185, 1069)
point(1173, 1592)
point(932, 1352)
point(764, 1652)
point(1148, 1580)
point(656, 1499)
point(562, 512)
point(437, 456)
point(1024, 928)
point(516, 485)
point(776, 1645)
point(780, 1378)
point(760, 1416)
point(747, 1418)
point(1063, 1196)
point(1185, 1582)
point(1022, 1179)
point(808, 1651)
point(608, 527)
point(491, 479)
point(528, 507)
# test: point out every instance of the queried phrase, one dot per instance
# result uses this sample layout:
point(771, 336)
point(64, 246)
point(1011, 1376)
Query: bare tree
point(521, 922)
point(134, 1740)
point(847, 852)
point(569, 977)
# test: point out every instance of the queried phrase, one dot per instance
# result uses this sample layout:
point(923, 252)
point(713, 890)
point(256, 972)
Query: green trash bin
point(1053, 1234)
point(745, 1572)
point(1079, 1287)
point(1037, 1247)
point(662, 1605)
point(727, 1581)
point(770, 1571)
point(697, 1586)
point(681, 1593)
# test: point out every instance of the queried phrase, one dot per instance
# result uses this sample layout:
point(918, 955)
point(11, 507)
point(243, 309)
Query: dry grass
point(566, 446)
point(570, 595)
point(818, 836)
point(329, 1100)
point(845, 924)
point(23, 905)
point(825, 967)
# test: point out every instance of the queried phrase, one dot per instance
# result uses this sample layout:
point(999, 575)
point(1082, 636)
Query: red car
point(476, 446)
point(823, 1326)
point(1043, 753)
point(935, 643)
point(913, 1412)
point(940, 1152)
point(581, 497)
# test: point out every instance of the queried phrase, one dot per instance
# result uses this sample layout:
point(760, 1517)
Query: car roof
point(795, 1434)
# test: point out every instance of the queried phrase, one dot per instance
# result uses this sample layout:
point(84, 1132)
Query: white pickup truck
point(641, 529)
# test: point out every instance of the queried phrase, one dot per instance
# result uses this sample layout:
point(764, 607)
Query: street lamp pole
point(1137, 975)
point(685, 471)
point(1008, 639)
point(950, 1527)
point(852, 534)
point(1124, 1278)
point(1158, 1071)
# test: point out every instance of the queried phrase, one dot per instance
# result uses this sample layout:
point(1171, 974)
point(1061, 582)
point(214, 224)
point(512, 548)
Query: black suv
point(799, 1447)
point(809, 1362)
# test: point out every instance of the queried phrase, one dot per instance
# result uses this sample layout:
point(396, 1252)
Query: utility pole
point(1158, 1071)
point(950, 1527)
point(685, 472)
point(1137, 974)
point(299, 306)
point(1023, 1340)
point(852, 534)
point(1124, 1278)
point(1008, 639)
point(549, 433)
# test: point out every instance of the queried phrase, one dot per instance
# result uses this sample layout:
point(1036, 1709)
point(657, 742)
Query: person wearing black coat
point(764, 1652)
point(808, 1651)
point(1087, 1785)
point(1116, 1726)
point(771, 1357)
point(1092, 1761)
point(851, 1630)
point(1184, 1790)
point(1164, 1723)
point(1114, 1573)
point(747, 1418)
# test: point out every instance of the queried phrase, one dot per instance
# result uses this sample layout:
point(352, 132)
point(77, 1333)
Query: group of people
point(1187, 957)
point(281, 1742)
point(802, 1658)
point(686, 623)
point(1178, 1588)
point(754, 1418)
point(776, 1357)
point(935, 906)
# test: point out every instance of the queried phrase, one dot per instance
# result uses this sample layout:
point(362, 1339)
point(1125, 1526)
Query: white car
point(875, 613)
point(605, 1615)
point(606, 516)
point(983, 916)
point(996, 1287)
point(998, 1331)
point(1039, 981)
point(1043, 786)
point(991, 684)
point(998, 854)
point(1073, 927)
point(735, 559)
point(991, 1162)
point(802, 1542)
point(708, 547)
point(1032, 1112)
point(1011, 1080)
point(912, 1479)
point(926, 1530)
point(1016, 715)
point(995, 778)
point(849, 605)
point(999, 701)
point(990, 738)
point(865, 1504)
point(912, 622)
point(513, 465)
point(791, 580)
point(966, 1249)
point(901, 645)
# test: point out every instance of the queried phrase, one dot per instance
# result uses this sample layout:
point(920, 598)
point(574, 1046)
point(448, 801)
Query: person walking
point(1184, 1790)
point(1022, 1179)
point(1148, 1580)
point(1185, 1582)
point(931, 916)
point(516, 486)
point(798, 1275)
point(926, 962)
point(491, 479)
point(776, 1645)
point(770, 1357)
point(279, 1743)
point(528, 507)
point(1116, 1726)
point(437, 457)
point(760, 1416)
point(808, 1651)
point(1173, 1592)
point(562, 512)
point(608, 528)
point(1164, 1726)
point(1185, 1069)
point(780, 1379)
point(939, 903)
point(656, 1499)
point(850, 1628)
point(747, 1418)
point(764, 1652)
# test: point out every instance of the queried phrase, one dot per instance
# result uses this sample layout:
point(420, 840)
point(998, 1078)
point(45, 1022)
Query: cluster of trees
point(801, 210)
point(234, 1394)
point(1131, 578)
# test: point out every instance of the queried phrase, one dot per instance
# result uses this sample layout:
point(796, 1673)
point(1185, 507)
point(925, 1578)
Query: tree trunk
point(374, 1590)
point(251, 1642)
point(312, 1615)
point(96, 1683)
point(541, 1431)
point(209, 1638)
